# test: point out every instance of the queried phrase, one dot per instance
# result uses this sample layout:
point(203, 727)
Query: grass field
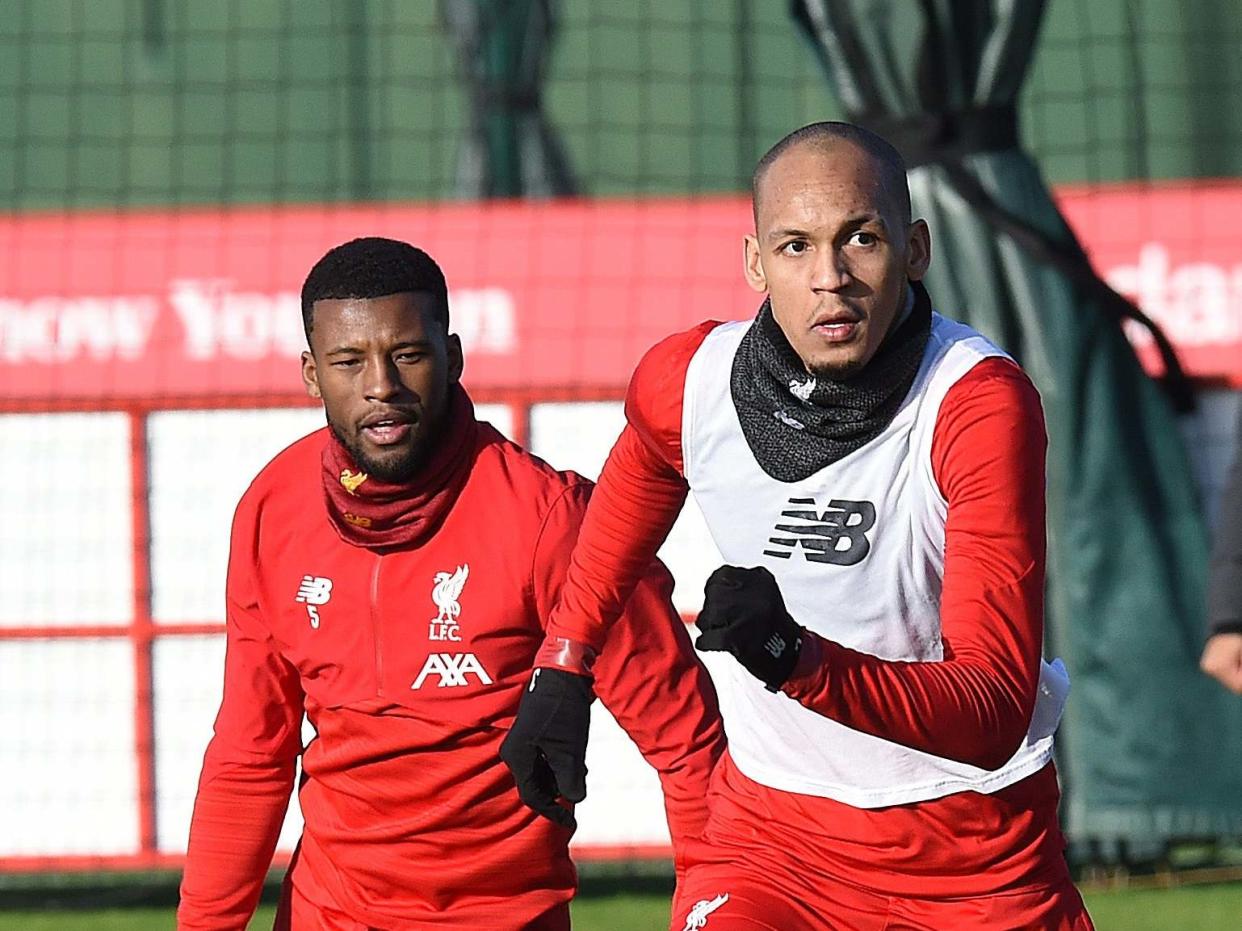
point(1194, 908)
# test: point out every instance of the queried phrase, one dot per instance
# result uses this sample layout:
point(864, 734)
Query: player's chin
point(838, 364)
point(398, 463)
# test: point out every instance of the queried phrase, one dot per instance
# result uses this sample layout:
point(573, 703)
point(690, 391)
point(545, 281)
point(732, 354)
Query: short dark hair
point(373, 267)
point(888, 161)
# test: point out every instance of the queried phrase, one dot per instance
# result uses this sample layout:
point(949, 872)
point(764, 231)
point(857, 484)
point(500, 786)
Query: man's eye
point(863, 238)
point(797, 247)
point(409, 358)
point(345, 363)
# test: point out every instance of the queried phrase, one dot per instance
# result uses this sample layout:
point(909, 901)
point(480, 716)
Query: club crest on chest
point(449, 669)
point(446, 595)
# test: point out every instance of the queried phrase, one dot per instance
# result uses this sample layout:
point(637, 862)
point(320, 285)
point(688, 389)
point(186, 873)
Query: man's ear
point(918, 250)
point(310, 375)
point(456, 360)
point(752, 264)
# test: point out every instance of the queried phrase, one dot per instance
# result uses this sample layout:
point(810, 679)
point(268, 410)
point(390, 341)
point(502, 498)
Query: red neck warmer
point(379, 515)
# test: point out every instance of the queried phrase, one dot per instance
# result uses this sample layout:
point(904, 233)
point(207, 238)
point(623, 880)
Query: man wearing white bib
point(873, 476)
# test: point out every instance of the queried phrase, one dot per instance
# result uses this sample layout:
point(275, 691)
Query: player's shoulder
point(993, 393)
point(999, 382)
point(654, 398)
point(977, 361)
point(669, 358)
point(949, 336)
point(515, 474)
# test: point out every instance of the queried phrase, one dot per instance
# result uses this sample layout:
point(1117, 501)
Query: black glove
point(744, 614)
point(546, 746)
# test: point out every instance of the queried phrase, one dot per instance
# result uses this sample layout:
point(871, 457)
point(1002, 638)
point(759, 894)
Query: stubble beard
point(397, 469)
point(836, 371)
point(846, 370)
point(840, 372)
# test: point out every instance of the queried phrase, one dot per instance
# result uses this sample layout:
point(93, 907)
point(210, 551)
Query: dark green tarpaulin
point(509, 149)
point(1150, 749)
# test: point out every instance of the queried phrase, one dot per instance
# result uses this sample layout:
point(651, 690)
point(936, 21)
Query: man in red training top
point(388, 576)
point(873, 475)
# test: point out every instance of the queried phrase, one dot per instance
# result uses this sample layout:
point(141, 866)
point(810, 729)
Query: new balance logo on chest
point(838, 535)
point(314, 591)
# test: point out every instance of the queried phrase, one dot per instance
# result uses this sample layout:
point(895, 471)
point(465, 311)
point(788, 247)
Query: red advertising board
point(1176, 250)
point(546, 296)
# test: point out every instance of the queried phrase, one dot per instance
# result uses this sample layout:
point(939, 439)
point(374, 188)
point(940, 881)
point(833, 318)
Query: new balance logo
point(314, 590)
point(775, 645)
point(696, 918)
point(452, 668)
point(837, 536)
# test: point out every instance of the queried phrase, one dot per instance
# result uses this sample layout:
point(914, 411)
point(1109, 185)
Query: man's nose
point(830, 272)
point(381, 380)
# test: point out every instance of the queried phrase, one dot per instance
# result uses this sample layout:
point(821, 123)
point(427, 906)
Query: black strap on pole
point(1068, 258)
point(944, 140)
point(928, 138)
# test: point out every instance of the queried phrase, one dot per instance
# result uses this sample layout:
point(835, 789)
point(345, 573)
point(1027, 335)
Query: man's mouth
point(386, 430)
point(836, 331)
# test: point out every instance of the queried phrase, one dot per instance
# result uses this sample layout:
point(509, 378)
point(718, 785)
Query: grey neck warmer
point(796, 424)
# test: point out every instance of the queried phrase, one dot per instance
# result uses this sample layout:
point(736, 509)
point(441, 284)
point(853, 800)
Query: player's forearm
point(671, 715)
point(684, 783)
point(237, 818)
point(971, 712)
point(632, 510)
point(650, 681)
point(685, 751)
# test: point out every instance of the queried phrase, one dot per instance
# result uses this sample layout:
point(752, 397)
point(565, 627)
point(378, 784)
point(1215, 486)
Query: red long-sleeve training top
point(974, 706)
point(411, 819)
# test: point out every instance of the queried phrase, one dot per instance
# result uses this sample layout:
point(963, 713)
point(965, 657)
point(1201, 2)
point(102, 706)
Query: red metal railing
point(142, 630)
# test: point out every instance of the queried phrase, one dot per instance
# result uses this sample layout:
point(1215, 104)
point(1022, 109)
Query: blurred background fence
point(169, 172)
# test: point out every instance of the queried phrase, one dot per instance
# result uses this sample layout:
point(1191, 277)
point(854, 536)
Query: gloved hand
point(546, 746)
point(744, 614)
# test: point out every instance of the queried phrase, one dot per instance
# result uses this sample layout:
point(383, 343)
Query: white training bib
point(858, 551)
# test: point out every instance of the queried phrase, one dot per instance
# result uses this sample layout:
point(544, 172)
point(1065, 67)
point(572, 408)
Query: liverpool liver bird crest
point(447, 590)
point(351, 480)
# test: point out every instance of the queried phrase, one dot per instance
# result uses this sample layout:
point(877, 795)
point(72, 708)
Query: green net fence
point(121, 121)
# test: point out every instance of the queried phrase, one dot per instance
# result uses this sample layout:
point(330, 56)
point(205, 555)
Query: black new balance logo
point(837, 536)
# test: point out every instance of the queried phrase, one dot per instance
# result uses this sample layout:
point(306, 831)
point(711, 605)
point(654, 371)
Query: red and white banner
point(168, 304)
point(546, 296)
point(1176, 250)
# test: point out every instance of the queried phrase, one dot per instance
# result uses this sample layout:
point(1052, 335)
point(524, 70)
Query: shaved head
point(886, 161)
point(834, 245)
